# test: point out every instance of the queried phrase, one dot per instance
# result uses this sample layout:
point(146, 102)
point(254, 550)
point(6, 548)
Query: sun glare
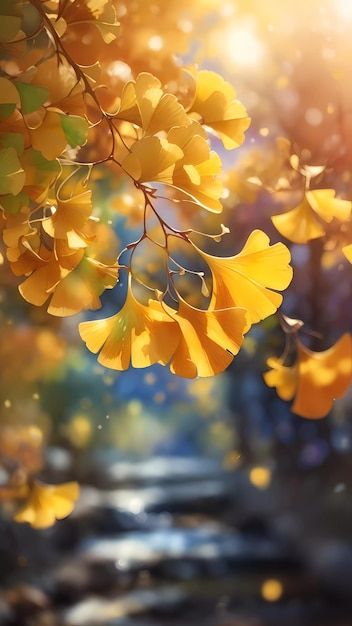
point(343, 8)
point(243, 46)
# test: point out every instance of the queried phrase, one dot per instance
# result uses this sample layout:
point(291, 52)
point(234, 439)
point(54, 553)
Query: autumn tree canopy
point(83, 108)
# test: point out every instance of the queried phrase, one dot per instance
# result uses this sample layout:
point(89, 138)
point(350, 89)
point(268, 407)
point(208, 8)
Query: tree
point(81, 111)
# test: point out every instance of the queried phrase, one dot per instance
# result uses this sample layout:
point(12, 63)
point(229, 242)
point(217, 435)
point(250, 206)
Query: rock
point(96, 610)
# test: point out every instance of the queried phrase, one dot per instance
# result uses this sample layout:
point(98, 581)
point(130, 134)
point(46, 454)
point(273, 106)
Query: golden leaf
point(216, 106)
point(315, 380)
point(152, 159)
point(209, 339)
point(69, 218)
point(44, 270)
point(196, 172)
point(283, 378)
point(82, 287)
point(71, 280)
point(138, 334)
point(247, 279)
point(17, 228)
point(47, 503)
point(145, 104)
point(8, 91)
point(302, 223)
point(323, 377)
point(49, 138)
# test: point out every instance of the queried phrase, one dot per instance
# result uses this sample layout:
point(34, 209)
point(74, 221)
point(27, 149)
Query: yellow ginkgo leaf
point(247, 279)
point(315, 380)
point(322, 377)
point(302, 223)
point(216, 106)
point(138, 334)
point(44, 272)
point(196, 173)
point(209, 339)
point(152, 159)
point(145, 104)
point(82, 287)
point(347, 250)
point(324, 203)
point(17, 227)
point(69, 279)
point(8, 92)
point(49, 138)
point(68, 219)
point(47, 503)
point(282, 377)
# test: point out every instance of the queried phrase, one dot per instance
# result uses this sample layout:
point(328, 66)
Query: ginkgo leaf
point(16, 228)
point(145, 104)
point(283, 378)
point(49, 138)
point(69, 219)
point(47, 503)
point(302, 223)
point(8, 92)
point(323, 377)
point(45, 272)
point(81, 18)
point(324, 203)
point(97, 7)
point(40, 173)
point(315, 380)
point(13, 204)
point(9, 96)
point(209, 339)
point(196, 173)
point(88, 8)
point(216, 106)
point(9, 27)
point(347, 250)
point(70, 280)
point(248, 279)
point(152, 159)
point(138, 334)
point(81, 289)
point(62, 86)
point(75, 129)
point(32, 96)
point(12, 140)
point(12, 175)
point(108, 30)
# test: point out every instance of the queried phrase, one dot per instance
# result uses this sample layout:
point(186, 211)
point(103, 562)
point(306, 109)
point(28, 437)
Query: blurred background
point(204, 501)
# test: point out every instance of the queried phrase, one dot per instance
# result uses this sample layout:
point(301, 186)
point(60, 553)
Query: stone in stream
point(143, 506)
point(97, 610)
point(207, 544)
point(156, 470)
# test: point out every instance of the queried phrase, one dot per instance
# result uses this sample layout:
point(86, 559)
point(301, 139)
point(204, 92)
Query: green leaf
point(35, 159)
point(75, 129)
point(9, 96)
point(6, 110)
point(13, 204)
point(32, 96)
point(12, 175)
point(12, 140)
